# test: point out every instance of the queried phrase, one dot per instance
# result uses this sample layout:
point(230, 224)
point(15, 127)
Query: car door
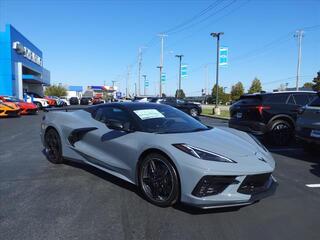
point(111, 149)
point(311, 115)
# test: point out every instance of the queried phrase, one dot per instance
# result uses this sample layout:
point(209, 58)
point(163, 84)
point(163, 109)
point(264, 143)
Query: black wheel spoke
point(157, 180)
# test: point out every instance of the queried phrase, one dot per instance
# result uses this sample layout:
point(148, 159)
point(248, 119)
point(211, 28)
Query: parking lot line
point(313, 185)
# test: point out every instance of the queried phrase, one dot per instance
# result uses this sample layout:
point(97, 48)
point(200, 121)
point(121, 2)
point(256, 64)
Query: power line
point(206, 18)
point(200, 14)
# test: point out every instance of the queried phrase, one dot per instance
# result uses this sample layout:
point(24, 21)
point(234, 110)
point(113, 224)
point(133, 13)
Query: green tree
point(180, 94)
point(316, 82)
point(223, 97)
point(255, 86)
point(308, 85)
point(236, 91)
point(55, 90)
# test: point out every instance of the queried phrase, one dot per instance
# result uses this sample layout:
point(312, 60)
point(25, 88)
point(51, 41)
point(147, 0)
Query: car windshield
point(13, 99)
point(165, 119)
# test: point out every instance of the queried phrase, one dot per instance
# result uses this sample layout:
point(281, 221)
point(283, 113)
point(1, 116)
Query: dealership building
point(21, 65)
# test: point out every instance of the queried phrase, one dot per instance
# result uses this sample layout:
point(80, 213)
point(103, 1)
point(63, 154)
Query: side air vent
point(77, 134)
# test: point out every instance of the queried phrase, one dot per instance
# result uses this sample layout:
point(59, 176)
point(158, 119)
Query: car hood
point(26, 105)
point(231, 143)
point(219, 140)
point(8, 106)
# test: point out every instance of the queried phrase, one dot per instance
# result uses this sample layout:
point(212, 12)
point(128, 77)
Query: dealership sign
point(27, 53)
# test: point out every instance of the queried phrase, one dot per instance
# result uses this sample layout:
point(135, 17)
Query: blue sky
point(91, 42)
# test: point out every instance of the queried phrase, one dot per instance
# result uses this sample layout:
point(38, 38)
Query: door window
point(107, 114)
point(301, 99)
point(316, 102)
point(277, 98)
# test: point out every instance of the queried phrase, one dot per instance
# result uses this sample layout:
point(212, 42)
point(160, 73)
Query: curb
point(215, 117)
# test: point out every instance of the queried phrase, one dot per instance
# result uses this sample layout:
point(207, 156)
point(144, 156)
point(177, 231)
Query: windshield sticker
point(144, 114)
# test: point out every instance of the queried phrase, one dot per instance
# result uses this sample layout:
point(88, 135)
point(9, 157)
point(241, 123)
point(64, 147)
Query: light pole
point(298, 35)
point(217, 35)
point(144, 82)
point(180, 59)
point(160, 83)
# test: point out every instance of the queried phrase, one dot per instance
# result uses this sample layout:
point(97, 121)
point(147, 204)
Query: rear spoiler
point(65, 109)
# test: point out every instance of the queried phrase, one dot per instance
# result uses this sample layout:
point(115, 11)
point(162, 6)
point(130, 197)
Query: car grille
point(212, 185)
point(253, 184)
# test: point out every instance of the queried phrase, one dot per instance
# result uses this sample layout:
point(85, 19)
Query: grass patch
point(208, 111)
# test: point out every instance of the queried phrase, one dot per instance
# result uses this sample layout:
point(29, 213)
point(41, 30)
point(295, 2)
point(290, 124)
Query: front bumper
point(9, 113)
point(231, 197)
point(257, 128)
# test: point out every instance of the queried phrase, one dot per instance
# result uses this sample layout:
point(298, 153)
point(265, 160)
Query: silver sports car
point(169, 155)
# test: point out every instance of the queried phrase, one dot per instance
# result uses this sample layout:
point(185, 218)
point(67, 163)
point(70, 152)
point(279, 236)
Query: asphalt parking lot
point(40, 200)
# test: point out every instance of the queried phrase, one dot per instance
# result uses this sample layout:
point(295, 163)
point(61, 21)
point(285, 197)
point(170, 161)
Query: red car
point(52, 102)
point(25, 107)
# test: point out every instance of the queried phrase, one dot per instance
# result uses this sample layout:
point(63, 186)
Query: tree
point(308, 85)
point(55, 90)
point(316, 82)
point(236, 91)
point(223, 97)
point(255, 86)
point(180, 94)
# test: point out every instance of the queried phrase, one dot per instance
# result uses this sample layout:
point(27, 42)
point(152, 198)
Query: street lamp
point(217, 35)
point(180, 59)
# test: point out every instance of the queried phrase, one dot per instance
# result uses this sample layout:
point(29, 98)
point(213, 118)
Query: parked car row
point(191, 108)
point(13, 107)
point(86, 100)
point(276, 116)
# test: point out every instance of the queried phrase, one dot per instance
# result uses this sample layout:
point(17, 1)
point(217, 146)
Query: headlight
point(258, 142)
point(202, 154)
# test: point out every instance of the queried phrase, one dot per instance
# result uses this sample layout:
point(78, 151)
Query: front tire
point(53, 146)
point(194, 112)
point(158, 180)
point(39, 105)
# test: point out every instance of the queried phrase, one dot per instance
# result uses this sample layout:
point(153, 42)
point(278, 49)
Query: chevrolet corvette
point(8, 109)
point(26, 107)
point(169, 155)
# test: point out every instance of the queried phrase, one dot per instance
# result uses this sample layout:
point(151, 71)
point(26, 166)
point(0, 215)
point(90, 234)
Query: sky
point(96, 42)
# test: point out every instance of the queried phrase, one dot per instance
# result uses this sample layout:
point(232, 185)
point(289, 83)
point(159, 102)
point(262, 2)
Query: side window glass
point(316, 102)
point(291, 100)
point(301, 99)
point(105, 114)
point(277, 98)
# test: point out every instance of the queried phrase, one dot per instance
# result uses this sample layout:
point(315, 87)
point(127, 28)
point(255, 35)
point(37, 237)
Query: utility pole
point(160, 85)
point(139, 69)
point(206, 79)
point(298, 35)
point(127, 82)
point(161, 61)
point(217, 35)
point(180, 59)
point(144, 84)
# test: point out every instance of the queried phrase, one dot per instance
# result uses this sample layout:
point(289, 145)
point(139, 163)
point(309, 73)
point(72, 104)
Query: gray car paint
point(119, 156)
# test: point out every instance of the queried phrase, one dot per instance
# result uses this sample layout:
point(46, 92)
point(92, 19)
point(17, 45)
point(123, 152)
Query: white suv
point(37, 99)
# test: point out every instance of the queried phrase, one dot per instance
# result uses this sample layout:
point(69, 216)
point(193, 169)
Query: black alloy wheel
point(53, 147)
point(158, 180)
point(194, 112)
point(281, 133)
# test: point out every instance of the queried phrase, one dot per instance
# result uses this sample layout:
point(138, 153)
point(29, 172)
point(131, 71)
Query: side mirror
point(115, 125)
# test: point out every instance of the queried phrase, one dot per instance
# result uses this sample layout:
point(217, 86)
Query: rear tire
point(53, 146)
point(281, 133)
point(158, 180)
